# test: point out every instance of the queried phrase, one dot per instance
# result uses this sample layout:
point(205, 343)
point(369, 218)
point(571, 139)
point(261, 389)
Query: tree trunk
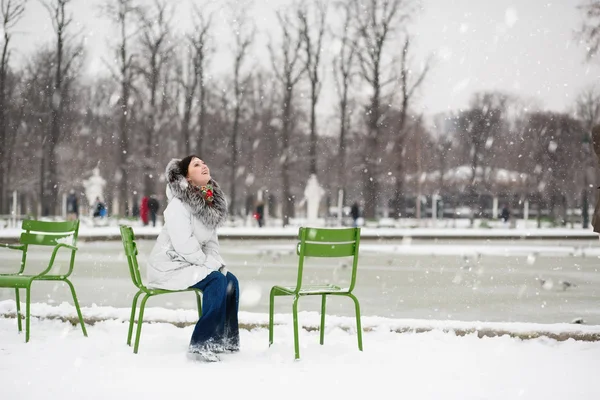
point(313, 129)
point(370, 185)
point(234, 159)
point(187, 116)
point(185, 134)
point(50, 194)
point(539, 213)
point(202, 116)
point(123, 148)
point(370, 178)
point(288, 205)
point(3, 145)
point(150, 153)
point(584, 199)
point(3, 140)
point(342, 149)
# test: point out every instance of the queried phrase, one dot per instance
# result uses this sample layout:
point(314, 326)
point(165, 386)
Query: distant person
point(144, 210)
point(72, 206)
point(99, 209)
point(505, 214)
point(153, 206)
point(355, 213)
point(135, 210)
point(260, 213)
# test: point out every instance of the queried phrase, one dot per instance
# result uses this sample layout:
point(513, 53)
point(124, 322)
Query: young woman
point(186, 254)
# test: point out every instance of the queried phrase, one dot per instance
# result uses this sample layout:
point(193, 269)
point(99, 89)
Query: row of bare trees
point(257, 125)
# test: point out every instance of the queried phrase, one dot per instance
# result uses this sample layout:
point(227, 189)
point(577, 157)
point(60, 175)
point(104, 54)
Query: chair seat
point(153, 292)
point(22, 281)
point(311, 289)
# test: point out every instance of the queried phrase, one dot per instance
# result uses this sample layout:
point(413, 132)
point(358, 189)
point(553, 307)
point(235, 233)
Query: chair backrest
point(47, 233)
point(321, 242)
point(131, 253)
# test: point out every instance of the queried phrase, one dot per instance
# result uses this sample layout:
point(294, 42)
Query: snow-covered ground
point(59, 363)
point(407, 285)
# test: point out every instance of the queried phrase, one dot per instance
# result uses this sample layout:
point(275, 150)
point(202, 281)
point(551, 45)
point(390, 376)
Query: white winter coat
point(187, 248)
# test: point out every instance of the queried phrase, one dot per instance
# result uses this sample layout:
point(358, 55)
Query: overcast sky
point(526, 47)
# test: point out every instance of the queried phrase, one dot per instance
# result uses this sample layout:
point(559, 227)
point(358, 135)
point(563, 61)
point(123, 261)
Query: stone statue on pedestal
point(313, 195)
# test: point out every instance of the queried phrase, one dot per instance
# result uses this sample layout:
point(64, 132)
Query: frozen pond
point(495, 280)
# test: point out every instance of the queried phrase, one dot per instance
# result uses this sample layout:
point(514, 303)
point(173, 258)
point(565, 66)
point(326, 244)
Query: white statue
point(94, 187)
point(313, 194)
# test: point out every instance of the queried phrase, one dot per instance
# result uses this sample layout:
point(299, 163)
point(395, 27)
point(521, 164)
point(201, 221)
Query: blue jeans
point(217, 330)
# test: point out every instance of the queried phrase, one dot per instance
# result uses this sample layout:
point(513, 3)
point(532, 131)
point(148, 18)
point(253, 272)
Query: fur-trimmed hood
point(213, 215)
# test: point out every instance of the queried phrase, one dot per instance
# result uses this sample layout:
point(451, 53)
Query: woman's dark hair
point(184, 164)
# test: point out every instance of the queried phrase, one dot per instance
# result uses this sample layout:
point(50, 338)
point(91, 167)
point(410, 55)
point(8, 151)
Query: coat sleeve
point(179, 228)
point(211, 247)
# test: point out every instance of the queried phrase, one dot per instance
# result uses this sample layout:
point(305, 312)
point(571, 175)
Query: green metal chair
point(42, 233)
point(131, 252)
point(317, 242)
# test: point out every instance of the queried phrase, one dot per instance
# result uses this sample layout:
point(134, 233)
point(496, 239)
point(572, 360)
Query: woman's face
point(198, 172)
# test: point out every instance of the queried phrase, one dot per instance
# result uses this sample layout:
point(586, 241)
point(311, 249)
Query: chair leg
point(132, 317)
point(27, 311)
point(19, 325)
point(140, 322)
point(323, 318)
point(271, 309)
point(76, 302)
point(358, 325)
point(295, 316)
point(199, 301)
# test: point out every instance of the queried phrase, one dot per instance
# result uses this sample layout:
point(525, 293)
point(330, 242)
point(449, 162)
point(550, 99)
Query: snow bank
point(311, 320)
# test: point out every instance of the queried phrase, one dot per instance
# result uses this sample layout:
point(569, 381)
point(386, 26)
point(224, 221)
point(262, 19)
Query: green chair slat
point(46, 240)
point(328, 235)
point(320, 242)
point(131, 251)
point(49, 227)
point(327, 249)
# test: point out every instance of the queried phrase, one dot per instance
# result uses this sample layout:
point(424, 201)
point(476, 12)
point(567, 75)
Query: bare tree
point(590, 29)
point(202, 52)
point(477, 129)
point(313, 33)
point(587, 105)
point(343, 70)
point(587, 109)
point(244, 36)
point(375, 22)
point(121, 13)
point(155, 50)
point(198, 41)
point(554, 152)
point(15, 121)
point(11, 12)
point(288, 72)
point(65, 56)
point(409, 82)
point(187, 78)
point(38, 76)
